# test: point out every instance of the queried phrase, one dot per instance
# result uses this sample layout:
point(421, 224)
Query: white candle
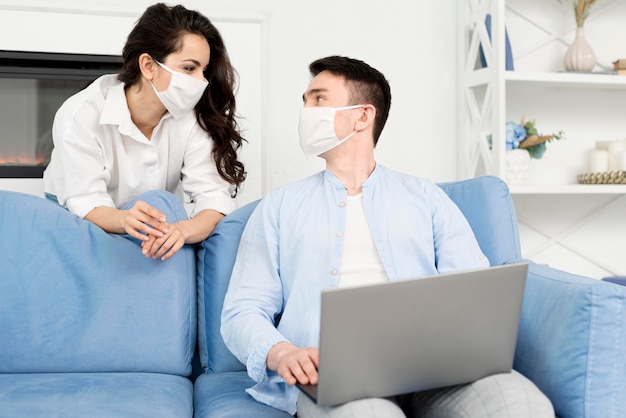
point(622, 160)
point(598, 161)
point(615, 149)
point(603, 145)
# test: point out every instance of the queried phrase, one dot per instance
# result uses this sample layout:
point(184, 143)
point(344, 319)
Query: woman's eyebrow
point(193, 61)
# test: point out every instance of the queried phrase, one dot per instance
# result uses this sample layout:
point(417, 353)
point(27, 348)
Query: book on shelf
point(620, 64)
point(600, 72)
point(508, 53)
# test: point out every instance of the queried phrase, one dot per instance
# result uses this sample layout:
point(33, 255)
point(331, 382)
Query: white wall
point(412, 43)
point(414, 46)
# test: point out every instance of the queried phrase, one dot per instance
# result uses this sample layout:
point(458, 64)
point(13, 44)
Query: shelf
point(521, 189)
point(489, 95)
point(567, 80)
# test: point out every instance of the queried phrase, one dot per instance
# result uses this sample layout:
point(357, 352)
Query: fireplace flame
point(20, 160)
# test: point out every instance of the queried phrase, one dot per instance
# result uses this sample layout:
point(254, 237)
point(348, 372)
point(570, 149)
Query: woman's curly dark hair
point(159, 32)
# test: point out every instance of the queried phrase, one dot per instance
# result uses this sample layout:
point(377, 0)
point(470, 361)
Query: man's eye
point(319, 99)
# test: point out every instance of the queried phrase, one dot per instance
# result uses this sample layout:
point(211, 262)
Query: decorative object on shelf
point(508, 53)
point(614, 150)
point(620, 66)
point(611, 177)
point(580, 56)
point(598, 161)
point(581, 10)
point(607, 164)
point(523, 142)
point(524, 135)
point(517, 163)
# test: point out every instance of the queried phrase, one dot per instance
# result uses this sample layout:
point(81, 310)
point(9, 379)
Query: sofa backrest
point(216, 258)
point(76, 299)
point(485, 201)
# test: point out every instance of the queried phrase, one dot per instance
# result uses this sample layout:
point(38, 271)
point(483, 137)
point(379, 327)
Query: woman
point(167, 118)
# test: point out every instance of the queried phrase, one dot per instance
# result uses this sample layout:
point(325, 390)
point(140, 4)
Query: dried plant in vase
point(579, 56)
point(581, 9)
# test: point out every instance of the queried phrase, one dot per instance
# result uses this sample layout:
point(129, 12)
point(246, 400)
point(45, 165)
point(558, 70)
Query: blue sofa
point(90, 327)
point(572, 336)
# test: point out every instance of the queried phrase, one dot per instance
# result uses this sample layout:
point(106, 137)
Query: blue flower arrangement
point(524, 135)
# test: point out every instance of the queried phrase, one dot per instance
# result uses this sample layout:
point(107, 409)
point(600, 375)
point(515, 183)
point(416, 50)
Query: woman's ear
point(367, 118)
point(147, 66)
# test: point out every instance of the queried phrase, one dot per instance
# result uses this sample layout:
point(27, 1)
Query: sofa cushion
point(79, 395)
point(216, 258)
point(223, 395)
point(486, 203)
point(76, 299)
point(572, 342)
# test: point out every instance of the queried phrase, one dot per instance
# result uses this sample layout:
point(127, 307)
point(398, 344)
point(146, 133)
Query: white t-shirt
point(360, 262)
point(101, 158)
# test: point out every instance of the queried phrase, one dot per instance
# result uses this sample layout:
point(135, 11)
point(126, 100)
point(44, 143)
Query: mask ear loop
point(354, 128)
point(364, 106)
point(341, 141)
point(165, 68)
point(156, 61)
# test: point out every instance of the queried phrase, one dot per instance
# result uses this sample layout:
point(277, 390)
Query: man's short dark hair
point(366, 85)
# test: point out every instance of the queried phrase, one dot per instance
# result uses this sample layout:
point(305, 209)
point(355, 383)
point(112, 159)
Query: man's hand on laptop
point(295, 365)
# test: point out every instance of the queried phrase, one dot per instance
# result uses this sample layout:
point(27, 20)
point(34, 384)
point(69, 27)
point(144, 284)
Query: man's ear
point(366, 119)
point(147, 66)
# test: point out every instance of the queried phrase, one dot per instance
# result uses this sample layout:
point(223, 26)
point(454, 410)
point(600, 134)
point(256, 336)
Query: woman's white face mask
point(183, 93)
point(317, 129)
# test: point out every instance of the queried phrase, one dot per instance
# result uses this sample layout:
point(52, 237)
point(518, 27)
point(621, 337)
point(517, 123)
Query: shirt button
point(482, 257)
point(334, 272)
point(340, 234)
point(342, 204)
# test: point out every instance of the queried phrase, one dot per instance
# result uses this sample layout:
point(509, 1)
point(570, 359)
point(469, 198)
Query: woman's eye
point(190, 69)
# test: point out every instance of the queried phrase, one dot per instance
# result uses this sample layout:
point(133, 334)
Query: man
point(354, 223)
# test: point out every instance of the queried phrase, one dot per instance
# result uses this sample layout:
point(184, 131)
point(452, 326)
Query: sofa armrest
point(572, 342)
point(76, 299)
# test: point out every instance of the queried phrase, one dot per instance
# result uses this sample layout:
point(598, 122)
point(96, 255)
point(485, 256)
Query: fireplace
point(32, 87)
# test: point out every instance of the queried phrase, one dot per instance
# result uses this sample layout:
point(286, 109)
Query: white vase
point(580, 56)
point(517, 163)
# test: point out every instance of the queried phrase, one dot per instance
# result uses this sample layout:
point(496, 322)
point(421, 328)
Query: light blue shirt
point(291, 250)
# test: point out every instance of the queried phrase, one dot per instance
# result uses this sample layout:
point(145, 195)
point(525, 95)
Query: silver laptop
point(407, 336)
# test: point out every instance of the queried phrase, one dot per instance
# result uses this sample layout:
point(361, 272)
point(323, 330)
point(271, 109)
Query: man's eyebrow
point(313, 92)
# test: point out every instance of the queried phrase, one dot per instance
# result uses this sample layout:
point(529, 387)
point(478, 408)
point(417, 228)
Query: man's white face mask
point(317, 129)
point(183, 93)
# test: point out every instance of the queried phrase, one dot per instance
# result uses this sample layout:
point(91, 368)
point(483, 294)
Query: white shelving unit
point(567, 80)
point(526, 189)
point(491, 96)
point(570, 226)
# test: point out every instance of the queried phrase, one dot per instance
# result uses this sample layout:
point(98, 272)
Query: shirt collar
point(330, 177)
point(116, 112)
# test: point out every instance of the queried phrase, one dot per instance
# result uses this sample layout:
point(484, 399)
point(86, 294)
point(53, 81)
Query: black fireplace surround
point(49, 78)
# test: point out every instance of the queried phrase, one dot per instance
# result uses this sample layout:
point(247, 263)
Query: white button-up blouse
point(100, 157)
